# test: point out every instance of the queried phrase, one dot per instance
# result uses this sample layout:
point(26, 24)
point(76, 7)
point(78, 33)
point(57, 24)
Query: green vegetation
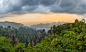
point(4, 32)
point(69, 37)
point(5, 46)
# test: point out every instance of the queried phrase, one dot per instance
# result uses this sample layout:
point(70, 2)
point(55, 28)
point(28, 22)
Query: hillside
point(69, 37)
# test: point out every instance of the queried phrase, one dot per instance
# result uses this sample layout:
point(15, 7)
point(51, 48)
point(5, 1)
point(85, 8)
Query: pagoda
point(76, 21)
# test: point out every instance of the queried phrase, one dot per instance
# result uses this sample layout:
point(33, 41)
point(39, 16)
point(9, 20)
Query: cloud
point(42, 6)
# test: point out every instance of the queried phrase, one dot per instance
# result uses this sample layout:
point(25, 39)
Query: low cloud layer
point(42, 6)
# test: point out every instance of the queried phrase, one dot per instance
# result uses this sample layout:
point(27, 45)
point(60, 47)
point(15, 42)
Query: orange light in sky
point(36, 17)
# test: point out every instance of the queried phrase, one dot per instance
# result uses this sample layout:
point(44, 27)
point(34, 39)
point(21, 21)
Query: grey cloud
point(69, 6)
point(48, 2)
point(32, 6)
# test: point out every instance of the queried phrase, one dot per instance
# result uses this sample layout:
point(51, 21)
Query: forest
point(69, 37)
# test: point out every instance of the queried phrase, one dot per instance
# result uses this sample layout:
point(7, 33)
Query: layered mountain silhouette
point(47, 25)
point(12, 24)
point(40, 25)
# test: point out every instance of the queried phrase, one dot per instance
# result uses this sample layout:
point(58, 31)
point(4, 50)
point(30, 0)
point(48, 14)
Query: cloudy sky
point(35, 11)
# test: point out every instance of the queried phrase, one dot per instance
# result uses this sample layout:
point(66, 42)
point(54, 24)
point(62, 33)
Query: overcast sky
point(10, 9)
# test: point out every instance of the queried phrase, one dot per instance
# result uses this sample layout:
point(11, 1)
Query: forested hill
point(69, 37)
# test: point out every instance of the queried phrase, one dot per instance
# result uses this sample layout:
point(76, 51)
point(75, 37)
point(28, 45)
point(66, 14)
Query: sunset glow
point(36, 17)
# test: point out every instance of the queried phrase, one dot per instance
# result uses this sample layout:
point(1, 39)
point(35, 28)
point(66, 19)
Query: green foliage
point(29, 49)
point(71, 38)
point(3, 32)
point(70, 42)
point(20, 47)
point(5, 46)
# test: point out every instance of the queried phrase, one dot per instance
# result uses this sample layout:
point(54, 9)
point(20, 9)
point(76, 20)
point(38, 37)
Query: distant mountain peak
point(47, 25)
